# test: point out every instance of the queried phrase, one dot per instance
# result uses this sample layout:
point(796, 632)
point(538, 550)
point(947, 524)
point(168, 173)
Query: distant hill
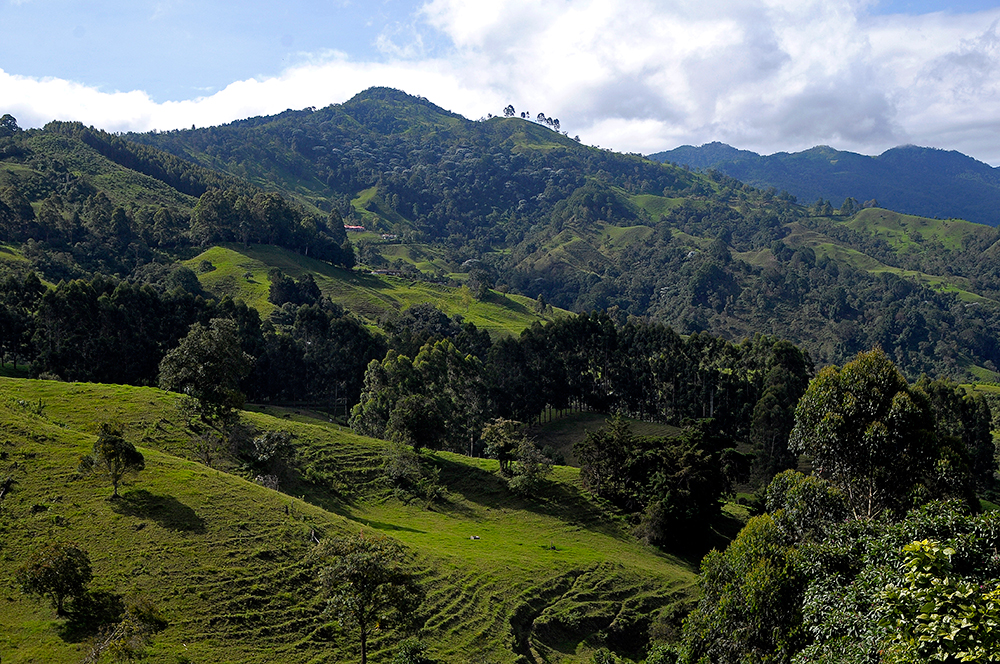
point(913, 180)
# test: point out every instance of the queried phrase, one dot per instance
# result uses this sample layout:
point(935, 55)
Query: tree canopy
point(113, 456)
point(208, 365)
point(870, 432)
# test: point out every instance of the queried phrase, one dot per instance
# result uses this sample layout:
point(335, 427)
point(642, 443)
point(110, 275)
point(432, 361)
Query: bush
point(411, 651)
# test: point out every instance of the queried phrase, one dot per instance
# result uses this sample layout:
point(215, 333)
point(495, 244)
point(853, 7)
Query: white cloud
point(642, 75)
point(36, 101)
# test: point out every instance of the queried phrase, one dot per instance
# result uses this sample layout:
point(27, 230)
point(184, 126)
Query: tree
point(207, 366)
point(530, 468)
point(8, 125)
point(604, 459)
point(57, 571)
point(416, 420)
point(367, 586)
point(750, 609)
point(508, 111)
point(113, 456)
point(501, 438)
point(868, 432)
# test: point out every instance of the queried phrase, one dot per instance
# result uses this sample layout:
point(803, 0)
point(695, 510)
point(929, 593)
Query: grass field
point(906, 232)
point(242, 273)
point(549, 579)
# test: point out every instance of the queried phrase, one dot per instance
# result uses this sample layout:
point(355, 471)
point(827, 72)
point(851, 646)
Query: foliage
point(966, 418)
point(866, 576)
point(939, 616)
point(113, 456)
point(529, 469)
point(501, 439)
point(367, 585)
point(126, 641)
point(404, 472)
point(434, 400)
point(411, 651)
point(671, 484)
point(804, 506)
point(207, 366)
point(664, 653)
point(750, 610)
point(868, 431)
point(57, 571)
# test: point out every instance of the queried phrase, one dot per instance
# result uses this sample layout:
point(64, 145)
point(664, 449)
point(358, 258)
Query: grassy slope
point(124, 186)
point(825, 246)
point(907, 232)
point(227, 560)
point(367, 295)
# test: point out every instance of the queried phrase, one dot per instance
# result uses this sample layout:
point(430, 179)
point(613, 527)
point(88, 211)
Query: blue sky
point(633, 75)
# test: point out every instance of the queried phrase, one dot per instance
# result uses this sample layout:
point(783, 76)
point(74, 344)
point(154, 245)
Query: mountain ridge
point(910, 179)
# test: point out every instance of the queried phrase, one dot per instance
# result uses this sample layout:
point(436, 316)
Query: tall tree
point(208, 365)
point(367, 584)
point(867, 431)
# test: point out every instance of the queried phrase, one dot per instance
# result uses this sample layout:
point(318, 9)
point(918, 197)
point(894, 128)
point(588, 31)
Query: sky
point(630, 75)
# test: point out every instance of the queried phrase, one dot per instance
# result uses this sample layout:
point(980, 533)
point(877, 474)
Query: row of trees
point(113, 331)
point(443, 394)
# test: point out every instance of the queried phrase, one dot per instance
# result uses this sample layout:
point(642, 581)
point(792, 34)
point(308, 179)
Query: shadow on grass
point(167, 511)
point(502, 300)
point(554, 499)
point(381, 525)
point(90, 612)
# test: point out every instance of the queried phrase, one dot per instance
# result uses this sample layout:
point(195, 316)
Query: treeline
point(111, 331)
point(443, 392)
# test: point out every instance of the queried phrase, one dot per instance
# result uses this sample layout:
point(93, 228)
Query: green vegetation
point(225, 560)
point(881, 557)
point(242, 273)
point(217, 263)
point(507, 207)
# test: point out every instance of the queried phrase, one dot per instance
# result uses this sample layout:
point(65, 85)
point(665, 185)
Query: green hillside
point(242, 273)
point(226, 560)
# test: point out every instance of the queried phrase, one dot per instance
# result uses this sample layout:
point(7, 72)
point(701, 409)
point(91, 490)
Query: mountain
point(507, 208)
point(913, 180)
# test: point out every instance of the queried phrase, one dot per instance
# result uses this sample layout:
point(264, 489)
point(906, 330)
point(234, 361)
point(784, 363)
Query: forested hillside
point(913, 180)
point(589, 229)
